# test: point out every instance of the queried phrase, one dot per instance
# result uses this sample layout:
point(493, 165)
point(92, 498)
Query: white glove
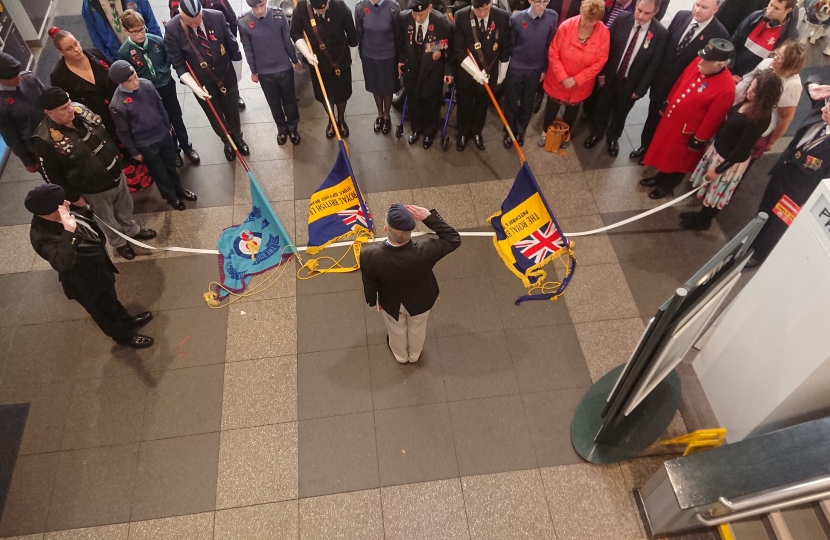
point(503, 71)
point(302, 46)
point(237, 67)
point(470, 67)
point(200, 93)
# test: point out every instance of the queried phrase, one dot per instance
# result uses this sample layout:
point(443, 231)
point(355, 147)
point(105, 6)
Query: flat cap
point(53, 97)
point(9, 66)
point(44, 199)
point(717, 50)
point(398, 217)
point(419, 5)
point(120, 71)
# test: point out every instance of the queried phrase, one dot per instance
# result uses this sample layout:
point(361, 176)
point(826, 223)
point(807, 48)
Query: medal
point(495, 46)
point(436, 55)
point(56, 135)
point(797, 154)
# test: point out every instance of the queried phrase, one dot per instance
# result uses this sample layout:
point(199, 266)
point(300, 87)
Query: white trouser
point(406, 335)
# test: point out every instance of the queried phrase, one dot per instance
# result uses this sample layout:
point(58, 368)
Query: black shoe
point(537, 102)
point(638, 153)
point(659, 192)
point(282, 139)
point(642, 161)
point(387, 126)
point(141, 319)
point(294, 137)
point(329, 131)
point(461, 143)
point(187, 195)
point(651, 181)
point(126, 251)
point(241, 104)
point(507, 142)
point(591, 141)
point(413, 137)
point(145, 234)
point(427, 142)
point(177, 204)
point(613, 148)
point(230, 155)
point(138, 342)
point(192, 155)
point(479, 142)
point(242, 146)
point(179, 161)
point(521, 139)
point(344, 129)
point(378, 124)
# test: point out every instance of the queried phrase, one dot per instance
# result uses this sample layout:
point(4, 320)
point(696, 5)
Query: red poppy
point(366, 10)
point(251, 24)
point(212, 37)
point(104, 64)
point(524, 24)
point(128, 100)
point(10, 101)
point(106, 102)
point(649, 36)
point(492, 26)
point(431, 28)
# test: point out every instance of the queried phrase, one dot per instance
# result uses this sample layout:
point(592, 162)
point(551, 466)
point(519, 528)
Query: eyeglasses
point(141, 30)
point(776, 56)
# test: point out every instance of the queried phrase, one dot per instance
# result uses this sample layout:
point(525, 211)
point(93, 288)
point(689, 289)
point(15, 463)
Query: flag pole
point(501, 114)
point(219, 120)
point(326, 97)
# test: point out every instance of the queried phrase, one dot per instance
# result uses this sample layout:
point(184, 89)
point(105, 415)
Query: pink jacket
point(567, 57)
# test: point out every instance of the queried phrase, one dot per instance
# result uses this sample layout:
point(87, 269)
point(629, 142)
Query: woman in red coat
point(694, 112)
point(575, 57)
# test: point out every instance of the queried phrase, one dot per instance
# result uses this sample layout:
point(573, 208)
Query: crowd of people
point(723, 87)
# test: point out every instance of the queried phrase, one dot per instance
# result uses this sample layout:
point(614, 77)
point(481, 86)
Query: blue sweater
point(266, 42)
point(100, 31)
point(375, 25)
point(531, 39)
point(20, 115)
point(140, 118)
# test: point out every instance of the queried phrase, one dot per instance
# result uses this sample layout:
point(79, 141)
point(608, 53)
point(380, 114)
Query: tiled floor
point(284, 415)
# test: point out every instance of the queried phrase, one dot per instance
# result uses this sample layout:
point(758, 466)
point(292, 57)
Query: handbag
point(558, 133)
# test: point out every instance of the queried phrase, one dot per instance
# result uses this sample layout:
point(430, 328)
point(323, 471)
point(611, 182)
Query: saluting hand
point(67, 219)
point(418, 212)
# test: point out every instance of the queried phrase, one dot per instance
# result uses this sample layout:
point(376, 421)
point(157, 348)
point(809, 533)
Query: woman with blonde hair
point(576, 56)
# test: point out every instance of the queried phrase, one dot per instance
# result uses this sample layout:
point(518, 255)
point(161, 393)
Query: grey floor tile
point(10, 304)
point(415, 444)
point(425, 511)
point(45, 301)
point(42, 353)
point(337, 454)
point(12, 193)
point(185, 402)
point(140, 284)
point(321, 316)
point(593, 249)
point(617, 189)
point(190, 527)
point(454, 203)
point(330, 283)
point(260, 392)
point(508, 288)
point(333, 382)
point(488, 197)
point(260, 522)
point(549, 416)
point(348, 516)
point(119, 531)
point(656, 236)
point(48, 407)
point(468, 260)
point(477, 366)
point(257, 465)
point(15, 171)
point(29, 495)
point(101, 357)
point(599, 292)
point(276, 178)
point(93, 487)
point(176, 476)
point(569, 195)
point(466, 306)
point(396, 385)
point(607, 344)
point(491, 435)
point(507, 506)
point(15, 239)
point(183, 280)
point(547, 358)
point(654, 281)
point(202, 137)
point(262, 329)
point(598, 157)
point(104, 412)
point(261, 138)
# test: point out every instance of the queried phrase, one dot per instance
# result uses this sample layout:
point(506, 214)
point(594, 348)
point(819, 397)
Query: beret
point(480, 3)
point(399, 218)
point(53, 97)
point(120, 71)
point(9, 66)
point(318, 4)
point(419, 5)
point(44, 199)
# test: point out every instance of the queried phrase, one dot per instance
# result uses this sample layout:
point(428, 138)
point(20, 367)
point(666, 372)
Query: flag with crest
point(528, 237)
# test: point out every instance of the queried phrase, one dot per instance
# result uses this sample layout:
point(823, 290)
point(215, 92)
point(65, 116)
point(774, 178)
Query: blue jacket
point(100, 31)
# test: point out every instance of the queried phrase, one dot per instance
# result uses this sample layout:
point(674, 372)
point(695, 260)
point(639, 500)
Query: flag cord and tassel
point(269, 280)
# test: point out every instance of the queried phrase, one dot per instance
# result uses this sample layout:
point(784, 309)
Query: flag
point(528, 237)
point(337, 210)
point(258, 244)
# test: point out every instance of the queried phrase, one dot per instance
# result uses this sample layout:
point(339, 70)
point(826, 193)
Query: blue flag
point(258, 244)
point(528, 237)
point(337, 210)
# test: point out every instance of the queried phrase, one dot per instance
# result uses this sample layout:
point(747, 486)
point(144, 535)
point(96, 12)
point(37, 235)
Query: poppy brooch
point(128, 100)
point(10, 101)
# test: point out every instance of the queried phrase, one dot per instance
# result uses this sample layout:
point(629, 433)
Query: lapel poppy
point(492, 26)
point(251, 24)
point(524, 24)
point(128, 100)
point(106, 102)
point(104, 64)
point(431, 28)
point(366, 10)
point(10, 100)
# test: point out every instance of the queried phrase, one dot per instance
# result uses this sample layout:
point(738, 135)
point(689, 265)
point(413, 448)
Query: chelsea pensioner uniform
point(424, 66)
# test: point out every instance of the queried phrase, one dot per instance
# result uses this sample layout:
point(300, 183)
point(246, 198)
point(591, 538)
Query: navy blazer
point(646, 61)
point(181, 47)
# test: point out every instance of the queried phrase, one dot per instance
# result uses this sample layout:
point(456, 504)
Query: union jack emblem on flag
point(353, 215)
point(541, 244)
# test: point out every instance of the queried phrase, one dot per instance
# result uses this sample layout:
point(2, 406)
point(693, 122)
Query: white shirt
point(478, 23)
point(700, 27)
point(810, 133)
point(423, 27)
point(641, 37)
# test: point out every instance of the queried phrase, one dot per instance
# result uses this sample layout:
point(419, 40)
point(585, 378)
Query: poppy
point(10, 101)
point(106, 102)
point(251, 24)
point(366, 10)
point(431, 28)
point(524, 24)
point(128, 100)
point(104, 64)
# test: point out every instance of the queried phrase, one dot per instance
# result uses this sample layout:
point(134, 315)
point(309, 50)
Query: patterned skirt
point(719, 192)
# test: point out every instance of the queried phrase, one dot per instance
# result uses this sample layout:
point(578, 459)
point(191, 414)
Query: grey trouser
point(406, 335)
point(115, 208)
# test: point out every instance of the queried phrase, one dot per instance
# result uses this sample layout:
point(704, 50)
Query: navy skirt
point(380, 76)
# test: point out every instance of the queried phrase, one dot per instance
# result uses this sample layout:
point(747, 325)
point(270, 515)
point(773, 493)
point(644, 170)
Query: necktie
point(809, 145)
point(621, 72)
point(688, 37)
point(419, 38)
point(481, 27)
point(203, 40)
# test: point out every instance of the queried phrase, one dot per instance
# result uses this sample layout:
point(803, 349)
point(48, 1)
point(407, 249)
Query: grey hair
point(396, 236)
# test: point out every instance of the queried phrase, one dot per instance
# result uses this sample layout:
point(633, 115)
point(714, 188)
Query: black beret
point(717, 50)
point(399, 218)
point(53, 97)
point(9, 66)
point(44, 199)
point(318, 4)
point(419, 5)
point(480, 3)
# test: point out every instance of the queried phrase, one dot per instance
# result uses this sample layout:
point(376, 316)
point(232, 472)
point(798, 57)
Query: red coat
point(567, 57)
point(697, 107)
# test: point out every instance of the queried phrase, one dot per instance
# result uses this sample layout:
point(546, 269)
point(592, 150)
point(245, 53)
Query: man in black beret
point(20, 110)
point(398, 278)
point(74, 246)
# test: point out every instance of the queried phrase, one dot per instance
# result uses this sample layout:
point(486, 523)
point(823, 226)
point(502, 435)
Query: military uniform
point(20, 114)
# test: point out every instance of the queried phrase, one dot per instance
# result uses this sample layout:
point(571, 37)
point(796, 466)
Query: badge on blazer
point(56, 135)
point(221, 49)
point(78, 110)
point(495, 46)
point(797, 154)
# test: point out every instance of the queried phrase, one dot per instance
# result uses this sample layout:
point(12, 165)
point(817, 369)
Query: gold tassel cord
point(212, 299)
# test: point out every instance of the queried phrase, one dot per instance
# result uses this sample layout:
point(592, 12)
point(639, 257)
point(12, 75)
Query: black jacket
point(647, 60)
point(219, 5)
point(423, 74)
point(675, 61)
point(403, 275)
point(181, 47)
point(733, 12)
point(495, 43)
point(84, 268)
point(746, 60)
point(337, 32)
